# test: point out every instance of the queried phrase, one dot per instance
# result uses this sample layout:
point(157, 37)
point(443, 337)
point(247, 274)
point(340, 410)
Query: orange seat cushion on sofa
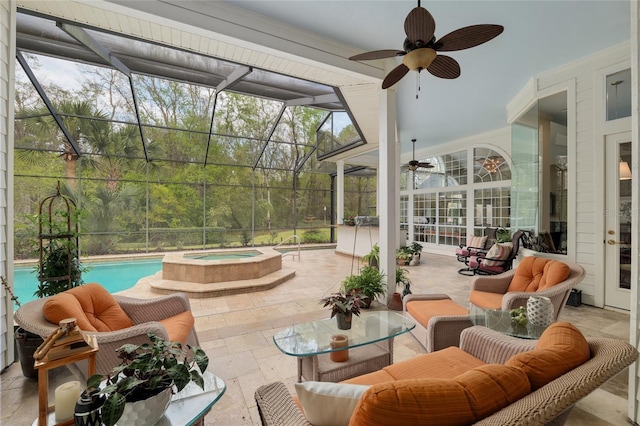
point(179, 326)
point(560, 349)
point(93, 307)
point(536, 273)
point(445, 363)
point(472, 396)
point(424, 310)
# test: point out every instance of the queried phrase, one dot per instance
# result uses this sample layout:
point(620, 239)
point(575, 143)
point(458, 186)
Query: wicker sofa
point(549, 403)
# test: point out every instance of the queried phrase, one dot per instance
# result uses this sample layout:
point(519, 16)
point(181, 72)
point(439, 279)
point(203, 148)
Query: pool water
point(114, 276)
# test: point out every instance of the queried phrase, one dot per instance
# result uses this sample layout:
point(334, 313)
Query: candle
point(65, 397)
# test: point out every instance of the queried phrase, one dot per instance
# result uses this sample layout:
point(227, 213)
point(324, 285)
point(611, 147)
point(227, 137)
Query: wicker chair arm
point(29, 316)
point(547, 404)
point(159, 308)
point(277, 408)
point(492, 346)
point(493, 283)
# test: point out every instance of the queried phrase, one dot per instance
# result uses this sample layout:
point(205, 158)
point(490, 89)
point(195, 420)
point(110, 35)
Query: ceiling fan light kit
point(420, 48)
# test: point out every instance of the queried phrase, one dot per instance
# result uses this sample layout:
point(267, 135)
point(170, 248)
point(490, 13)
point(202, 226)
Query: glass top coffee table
point(370, 345)
point(500, 320)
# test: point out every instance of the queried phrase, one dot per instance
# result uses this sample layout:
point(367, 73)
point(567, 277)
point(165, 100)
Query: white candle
point(66, 396)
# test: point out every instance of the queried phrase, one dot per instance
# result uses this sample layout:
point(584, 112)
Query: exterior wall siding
point(7, 72)
point(587, 73)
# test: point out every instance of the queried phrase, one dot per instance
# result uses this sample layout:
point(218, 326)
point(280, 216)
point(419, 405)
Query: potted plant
point(502, 235)
point(370, 283)
point(146, 371)
point(343, 306)
point(416, 248)
point(404, 255)
point(349, 220)
point(373, 257)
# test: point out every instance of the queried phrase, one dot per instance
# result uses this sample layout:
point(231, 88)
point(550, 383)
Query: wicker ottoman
point(439, 320)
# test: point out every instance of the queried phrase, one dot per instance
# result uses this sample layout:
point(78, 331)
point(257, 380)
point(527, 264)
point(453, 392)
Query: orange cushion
point(486, 299)
point(536, 273)
point(94, 308)
point(445, 363)
point(561, 348)
point(423, 310)
point(463, 400)
point(179, 326)
point(376, 377)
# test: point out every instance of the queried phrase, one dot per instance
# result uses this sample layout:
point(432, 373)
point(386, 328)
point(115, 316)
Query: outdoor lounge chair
point(498, 259)
point(113, 319)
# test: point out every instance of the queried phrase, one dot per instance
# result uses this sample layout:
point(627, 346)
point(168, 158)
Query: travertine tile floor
point(236, 331)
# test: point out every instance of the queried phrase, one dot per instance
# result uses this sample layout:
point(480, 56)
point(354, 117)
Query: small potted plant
point(373, 257)
point(416, 248)
point(349, 220)
point(146, 371)
point(404, 255)
point(370, 283)
point(343, 306)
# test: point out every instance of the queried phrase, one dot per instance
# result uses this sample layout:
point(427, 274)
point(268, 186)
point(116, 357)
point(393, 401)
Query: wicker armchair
point(146, 315)
point(498, 287)
point(550, 404)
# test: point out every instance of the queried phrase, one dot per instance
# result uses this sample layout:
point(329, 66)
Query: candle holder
point(339, 341)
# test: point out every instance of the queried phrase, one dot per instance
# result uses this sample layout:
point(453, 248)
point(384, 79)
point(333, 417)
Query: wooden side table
point(43, 368)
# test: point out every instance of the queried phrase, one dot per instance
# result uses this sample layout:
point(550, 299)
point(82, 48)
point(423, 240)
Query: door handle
point(613, 243)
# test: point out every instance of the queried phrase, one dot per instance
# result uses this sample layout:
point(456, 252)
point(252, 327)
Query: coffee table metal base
point(362, 360)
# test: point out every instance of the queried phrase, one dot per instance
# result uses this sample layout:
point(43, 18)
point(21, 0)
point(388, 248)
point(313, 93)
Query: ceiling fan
point(420, 47)
point(414, 164)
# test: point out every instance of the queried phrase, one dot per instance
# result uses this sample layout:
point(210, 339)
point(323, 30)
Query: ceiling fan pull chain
point(417, 85)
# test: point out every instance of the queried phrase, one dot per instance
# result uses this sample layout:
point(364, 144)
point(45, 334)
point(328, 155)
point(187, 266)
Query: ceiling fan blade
point(467, 37)
point(425, 165)
point(377, 54)
point(394, 76)
point(444, 67)
point(419, 25)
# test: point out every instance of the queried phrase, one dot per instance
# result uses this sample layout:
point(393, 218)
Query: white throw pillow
point(329, 404)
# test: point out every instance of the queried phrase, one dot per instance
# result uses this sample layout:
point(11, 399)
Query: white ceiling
point(538, 36)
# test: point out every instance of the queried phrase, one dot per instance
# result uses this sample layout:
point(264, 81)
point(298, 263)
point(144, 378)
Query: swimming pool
point(114, 276)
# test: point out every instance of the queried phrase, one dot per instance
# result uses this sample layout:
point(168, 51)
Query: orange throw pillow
point(561, 348)
point(463, 400)
point(94, 308)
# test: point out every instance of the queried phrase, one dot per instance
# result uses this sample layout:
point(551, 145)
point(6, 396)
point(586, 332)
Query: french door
point(617, 239)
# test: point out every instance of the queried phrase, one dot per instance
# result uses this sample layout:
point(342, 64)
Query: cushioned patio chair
point(534, 275)
point(498, 259)
point(113, 319)
point(476, 244)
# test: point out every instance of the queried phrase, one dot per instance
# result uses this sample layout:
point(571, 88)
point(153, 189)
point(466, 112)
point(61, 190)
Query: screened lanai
point(164, 148)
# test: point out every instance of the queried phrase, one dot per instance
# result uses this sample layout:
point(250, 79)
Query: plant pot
point(27, 344)
point(395, 304)
point(146, 412)
point(365, 302)
point(344, 320)
point(402, 262)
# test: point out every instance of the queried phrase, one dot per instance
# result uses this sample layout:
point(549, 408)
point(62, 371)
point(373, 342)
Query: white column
point(340, 190)
point(389, 188)
point(634, 373)
point(7, 91)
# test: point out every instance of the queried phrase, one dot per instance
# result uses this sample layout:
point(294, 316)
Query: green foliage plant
point(369, 282)
point(312, 236)
point(146, 370)
point(373, 257)
point(401, 276)
point(416, 247)
point(503, 235)
point(404, 254)
point(343, 302)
